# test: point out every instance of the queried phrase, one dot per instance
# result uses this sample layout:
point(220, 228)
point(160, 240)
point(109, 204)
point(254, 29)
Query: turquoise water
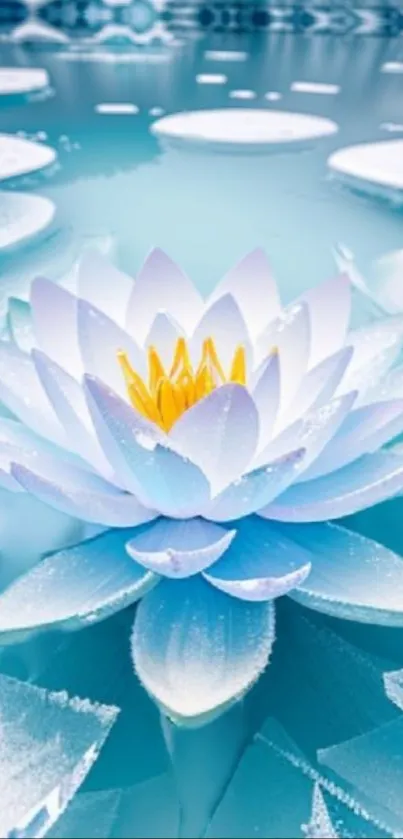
point(114, 180)
point(205, 208)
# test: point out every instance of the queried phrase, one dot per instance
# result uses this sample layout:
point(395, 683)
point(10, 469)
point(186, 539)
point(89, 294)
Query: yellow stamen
point(156, 369)
point(169, 395)
point(238, 367)
point(181, 358)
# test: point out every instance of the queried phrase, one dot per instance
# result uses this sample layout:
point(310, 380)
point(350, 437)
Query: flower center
point(169, 393)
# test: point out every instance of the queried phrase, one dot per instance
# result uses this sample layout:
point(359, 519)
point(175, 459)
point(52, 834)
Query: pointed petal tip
point(206, 652)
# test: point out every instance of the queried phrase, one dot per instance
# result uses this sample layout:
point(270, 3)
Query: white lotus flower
point(213, 442)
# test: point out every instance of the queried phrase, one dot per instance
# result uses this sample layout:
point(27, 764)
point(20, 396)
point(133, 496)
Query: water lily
point(212, 443)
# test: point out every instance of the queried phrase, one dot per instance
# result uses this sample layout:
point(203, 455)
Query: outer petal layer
point(196, 650)
point(79, 585)
point(261, 563)
point(179, 548)
point(80, 494)
point(352, 577)
point(364, 483)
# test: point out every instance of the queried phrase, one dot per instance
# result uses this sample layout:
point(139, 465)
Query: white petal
point(252, 491)
point(329, 312)
point(162, 478)
point(318, 385)
point(224, 323)
point(163, 335)
point(197, 650)
point(312, 433)
point(161, 286)
point(290, 336)
point(54, 316)
point(100, 341)
point(352, 577)
point(219, 434)
point(101, 284)
point(266, 396)
point(78, 494)
point(364, 430)
point(252, 286)
point(364, 483)
point(21, 391)
point(179, 548)
point(69, 403)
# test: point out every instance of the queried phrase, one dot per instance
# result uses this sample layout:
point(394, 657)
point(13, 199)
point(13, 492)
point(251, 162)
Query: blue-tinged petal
point(376, 347)
point(21, 391)
point(329, 313)
point(319, 385)
point(365, 430)
point(290, 336)
point(19, 443)
point(100, 340)
point(352, 577)
point(74, 587)
point(364, 483)
point(252, 285)
point(104, 286)
point(161, 284)
point(250, 492)
point(80, 494)
point(196, 650)
point(48, 744)
point(19, 323)
point(179, 548)
point(311, 433)
point(219, 434)
point(224, 322)
point(260, 564)
point(266, 395)
point(162, 478)
point(54, 315)
point(67, 398)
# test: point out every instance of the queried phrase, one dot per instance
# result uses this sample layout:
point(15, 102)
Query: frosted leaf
point(48, 743)
point(320, 825)
point(373, 764)
point(267, 797)
point(348, 817)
